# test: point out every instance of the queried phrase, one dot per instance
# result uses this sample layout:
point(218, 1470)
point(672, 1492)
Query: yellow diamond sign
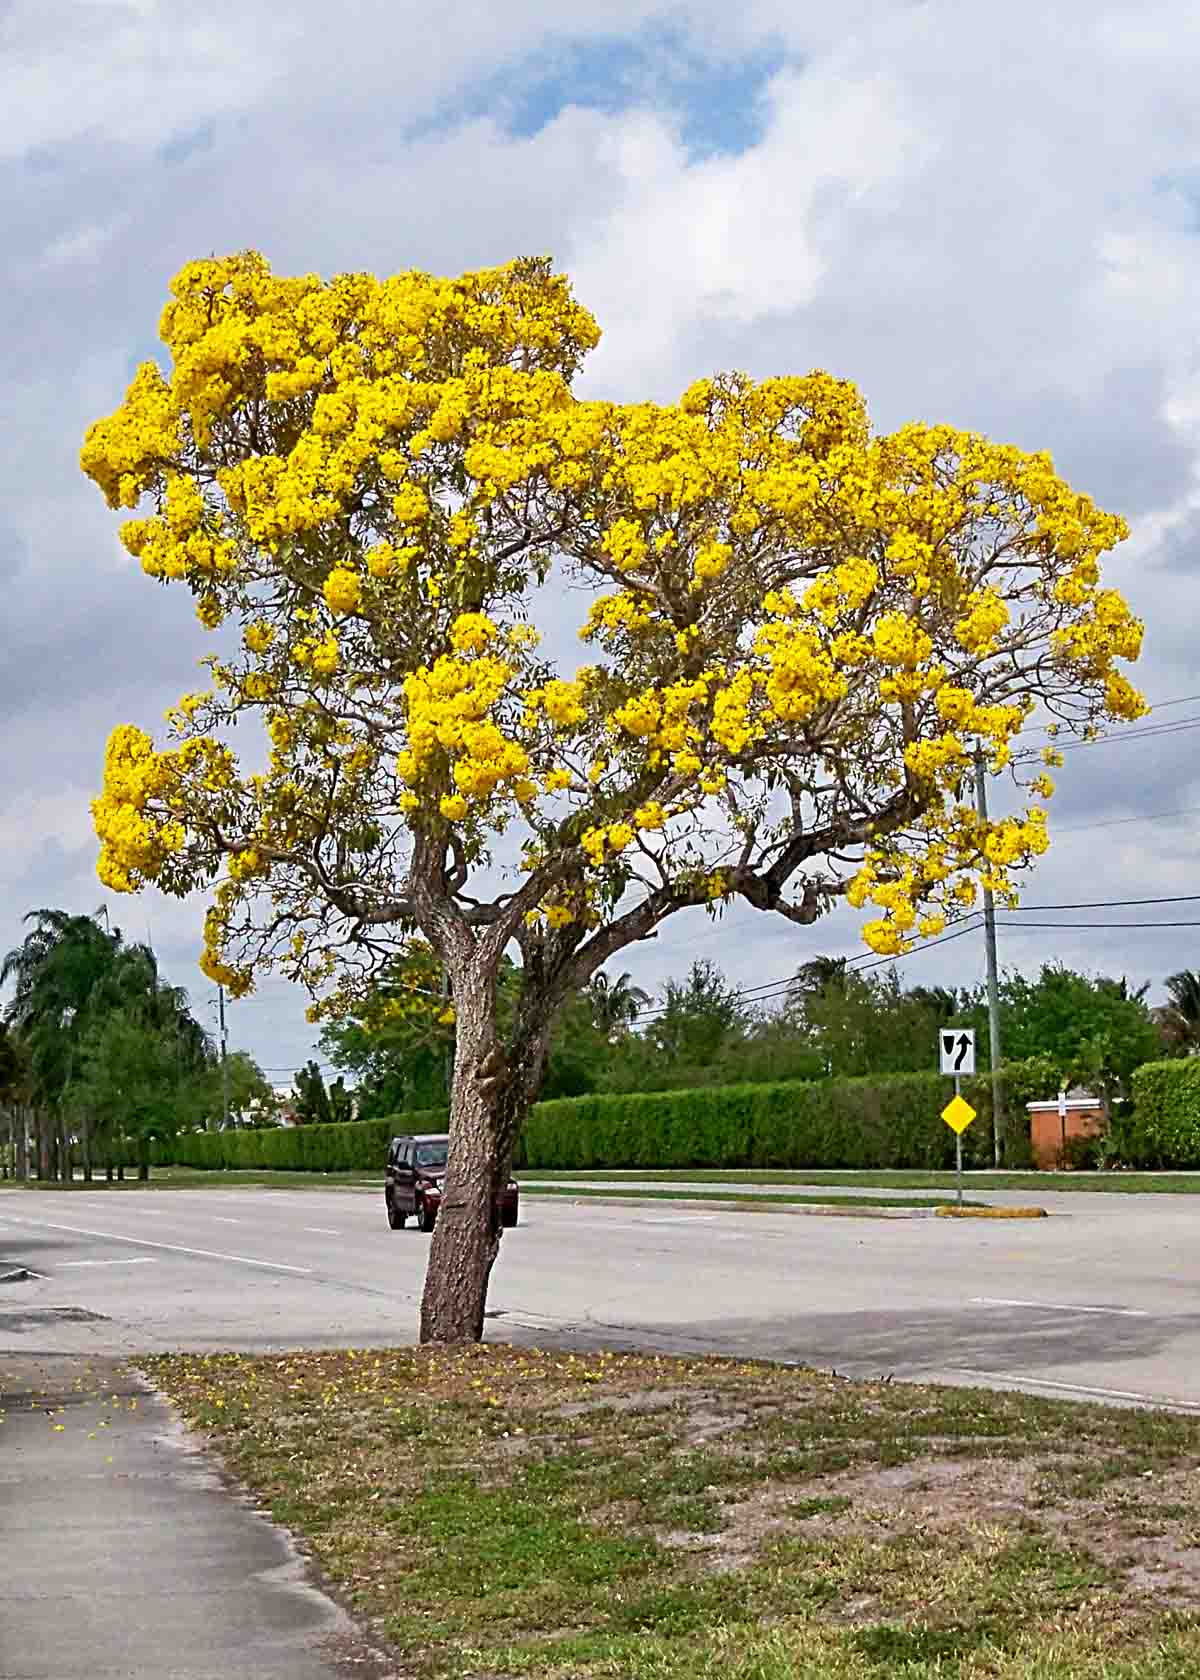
point(958, 1114)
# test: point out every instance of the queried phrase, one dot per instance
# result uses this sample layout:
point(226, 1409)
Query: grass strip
point(765, 1200)
point(1127, 1183)
point(495, 1512)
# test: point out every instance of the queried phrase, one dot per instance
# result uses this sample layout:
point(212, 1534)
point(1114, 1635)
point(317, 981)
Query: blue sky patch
point(180, 147)
point(719, 104)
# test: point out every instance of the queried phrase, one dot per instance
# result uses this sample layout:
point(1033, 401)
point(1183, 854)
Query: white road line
point(1058, 1306)
point(321, 1230)
point(170, 1248)
point(1077, 1388)
point(218, 1220)
point(683, 1219)
point(138, 1260)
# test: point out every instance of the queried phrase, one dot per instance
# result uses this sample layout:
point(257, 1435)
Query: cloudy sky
point(988, 216)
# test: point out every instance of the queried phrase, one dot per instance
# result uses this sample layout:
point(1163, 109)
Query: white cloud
point(986, 217)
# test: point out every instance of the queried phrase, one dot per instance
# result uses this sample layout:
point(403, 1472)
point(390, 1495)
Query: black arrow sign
point(964, 1044)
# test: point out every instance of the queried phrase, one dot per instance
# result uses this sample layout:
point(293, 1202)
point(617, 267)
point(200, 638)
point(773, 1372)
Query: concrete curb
point(991, 1213)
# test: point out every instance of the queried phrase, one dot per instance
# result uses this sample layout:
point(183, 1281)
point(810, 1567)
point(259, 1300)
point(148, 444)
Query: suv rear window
point(431, 1154)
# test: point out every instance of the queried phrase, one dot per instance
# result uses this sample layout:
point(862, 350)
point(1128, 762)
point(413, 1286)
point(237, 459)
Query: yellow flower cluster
point(451, 729)
point(368, 475)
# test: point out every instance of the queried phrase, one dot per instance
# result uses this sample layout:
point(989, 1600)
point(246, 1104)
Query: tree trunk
point(22, 1142)
point(143, 1154)
point(489, 1098)
point(66, 1165)
point(43, 1144)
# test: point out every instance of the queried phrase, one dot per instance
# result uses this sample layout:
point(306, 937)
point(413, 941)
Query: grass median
point(982, 1180)
point(503, 1512)
point(186, 1178)
point(765, 1201)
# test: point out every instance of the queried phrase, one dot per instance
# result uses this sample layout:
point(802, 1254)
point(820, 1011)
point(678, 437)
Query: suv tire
point(394, 1216)
point(425, 1216)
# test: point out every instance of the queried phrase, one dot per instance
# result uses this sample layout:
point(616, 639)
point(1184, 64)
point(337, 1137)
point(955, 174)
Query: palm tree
point(941, 1001)
point(1179, 1020)
point(815, 976)
point(54, 972)
point(615, 1004)
point(69, 974)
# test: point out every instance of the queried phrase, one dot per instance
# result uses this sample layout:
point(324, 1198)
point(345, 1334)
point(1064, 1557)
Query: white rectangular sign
point(956, 1050)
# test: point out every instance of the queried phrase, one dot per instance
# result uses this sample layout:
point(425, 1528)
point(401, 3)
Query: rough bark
point(492, 1088)
point(22, 1142)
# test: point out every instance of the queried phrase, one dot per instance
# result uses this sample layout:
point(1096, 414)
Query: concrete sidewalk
point(123, 1554)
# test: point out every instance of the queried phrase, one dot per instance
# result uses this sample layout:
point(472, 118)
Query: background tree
point(1179, 1018)
point(146, 1079)
point(818, 974)
point(14, 1094)
point(800, 633)
point(615, 1004)
point(1094, 1030)
point(313, 1107)
point(698, 1017)
point(867, 1023)
point(252, 1099)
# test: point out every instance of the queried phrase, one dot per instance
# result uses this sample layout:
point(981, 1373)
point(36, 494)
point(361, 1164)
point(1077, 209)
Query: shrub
point(347, 1146)
point(1164, 1127)
point(894, 1121)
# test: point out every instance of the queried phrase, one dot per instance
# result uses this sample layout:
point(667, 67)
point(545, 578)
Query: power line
point(1155, 706)
point(1088, 927)
point(781, 985)
point(1120, 822)
point(1149, 732)
point(1108, 903)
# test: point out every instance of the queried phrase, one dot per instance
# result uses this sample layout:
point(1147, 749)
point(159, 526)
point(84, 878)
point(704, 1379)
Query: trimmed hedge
point(349, 1146)
point(1164, 1128)
point(866, 1123)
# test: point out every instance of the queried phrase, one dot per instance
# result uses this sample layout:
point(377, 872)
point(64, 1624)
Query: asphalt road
point(1100, 1300)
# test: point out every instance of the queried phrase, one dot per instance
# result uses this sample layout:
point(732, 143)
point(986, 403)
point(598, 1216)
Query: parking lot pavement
point(1098, 1301)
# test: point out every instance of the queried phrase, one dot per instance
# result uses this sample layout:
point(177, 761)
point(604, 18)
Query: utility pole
point(993, 978)
point(224, 1055)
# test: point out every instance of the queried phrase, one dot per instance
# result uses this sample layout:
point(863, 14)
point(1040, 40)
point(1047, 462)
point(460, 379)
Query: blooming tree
point(799, 635)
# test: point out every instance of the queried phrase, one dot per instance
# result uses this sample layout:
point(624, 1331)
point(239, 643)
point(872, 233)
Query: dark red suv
point(412, 1182)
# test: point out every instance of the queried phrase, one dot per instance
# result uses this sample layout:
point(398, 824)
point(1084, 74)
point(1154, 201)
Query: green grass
point(979, 1180)
point(186, 1178)
point(567, 1516)
point(764, 1200)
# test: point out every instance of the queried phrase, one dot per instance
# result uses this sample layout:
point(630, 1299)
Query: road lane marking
point(218, 1220)
point(1077, 1388)
point(138, 1260)
point(170, 1248)
point(1058, 1306)
point(321, 1230)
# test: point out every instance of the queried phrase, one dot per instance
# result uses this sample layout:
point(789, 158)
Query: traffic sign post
point(956, 1056)
point(958, 1115)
